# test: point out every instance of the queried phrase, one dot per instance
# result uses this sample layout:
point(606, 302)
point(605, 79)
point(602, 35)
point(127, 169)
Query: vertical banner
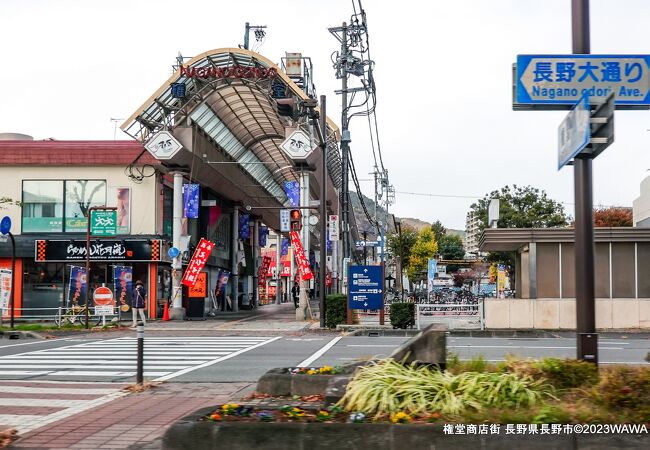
point(501, 280)
point(123, 286)
point(199, 258)
point(191, 201)
point(5, 291)
point(222, 282)
point(244, 226)
point(292, 189)
point(303, 265)
point(264, 232)
point(261, 280)
point(285, 247)
point(120, 197)
point(77, 287)
point(432, 268)
point(333, 228)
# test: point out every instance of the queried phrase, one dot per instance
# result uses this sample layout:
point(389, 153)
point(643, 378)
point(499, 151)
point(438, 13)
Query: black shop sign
point(100, 250)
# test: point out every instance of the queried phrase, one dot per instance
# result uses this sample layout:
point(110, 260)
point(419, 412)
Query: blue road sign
point(574, 132)
point(564, 79)
point(366, 287)
point(5, 225)
point(173, 252)
point(367, 243)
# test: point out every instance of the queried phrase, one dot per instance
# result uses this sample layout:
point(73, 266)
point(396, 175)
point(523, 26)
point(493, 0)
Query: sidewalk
point(135, 420)
point(267, 318)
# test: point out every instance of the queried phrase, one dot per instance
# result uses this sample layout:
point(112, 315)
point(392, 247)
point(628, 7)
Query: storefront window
point(42, 287)
point(80, 196)
point(168, 210)
point(42, 206)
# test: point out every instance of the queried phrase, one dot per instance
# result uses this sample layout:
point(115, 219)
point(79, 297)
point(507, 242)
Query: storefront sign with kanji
point(197, 262)
point(301, 259)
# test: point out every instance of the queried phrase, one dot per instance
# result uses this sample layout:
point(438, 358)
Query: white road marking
point(54, 390)
point(209, 363)
point(47, 402)
point(36, 342)
point(320, 352)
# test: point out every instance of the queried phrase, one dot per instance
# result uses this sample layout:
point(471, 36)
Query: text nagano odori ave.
point(563, 79)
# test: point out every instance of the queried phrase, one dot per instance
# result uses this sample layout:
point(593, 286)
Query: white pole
point(177, 312)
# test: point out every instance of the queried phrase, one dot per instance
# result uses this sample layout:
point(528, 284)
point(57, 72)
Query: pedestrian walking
point(139, 302)
point(295, 292)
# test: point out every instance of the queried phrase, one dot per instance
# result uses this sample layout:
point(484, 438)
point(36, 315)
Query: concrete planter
point(192, 433)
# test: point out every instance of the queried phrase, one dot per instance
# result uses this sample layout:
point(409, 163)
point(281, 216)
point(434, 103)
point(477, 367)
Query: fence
point(51, 315)
point(451, 314)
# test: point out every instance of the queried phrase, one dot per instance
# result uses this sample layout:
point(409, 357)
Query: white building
point(472, 233)
point(641, 206)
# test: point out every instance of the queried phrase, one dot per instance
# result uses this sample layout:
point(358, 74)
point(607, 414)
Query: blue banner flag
point(292, 189)
point(244, 226)
point(285, 246)
point(78, 286)
point(123, 286)
point(264, 232)
point(191, 200)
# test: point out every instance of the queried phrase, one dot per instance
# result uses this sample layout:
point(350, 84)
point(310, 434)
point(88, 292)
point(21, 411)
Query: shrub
point(561, 373)
point(628, 388)
point(402, 315)
point(476, 364)
point(388, 387)
point(335, 310)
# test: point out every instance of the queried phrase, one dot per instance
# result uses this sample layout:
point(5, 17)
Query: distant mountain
point(363, 224)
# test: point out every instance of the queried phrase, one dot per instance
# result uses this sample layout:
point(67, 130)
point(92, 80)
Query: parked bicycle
point(76, 314)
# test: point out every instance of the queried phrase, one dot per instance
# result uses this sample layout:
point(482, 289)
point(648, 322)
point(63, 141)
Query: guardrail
point(445, 312)
point(23, 314)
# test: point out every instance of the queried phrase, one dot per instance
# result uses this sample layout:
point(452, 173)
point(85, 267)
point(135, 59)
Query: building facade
point(472, 233)
point(641, 205)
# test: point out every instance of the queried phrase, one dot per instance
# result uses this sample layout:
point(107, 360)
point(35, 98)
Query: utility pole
point(259, 34)
point(587, 339)
point(345, 143)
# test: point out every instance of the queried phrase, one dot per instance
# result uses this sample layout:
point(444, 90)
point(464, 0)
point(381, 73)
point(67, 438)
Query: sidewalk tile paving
point(132, 420)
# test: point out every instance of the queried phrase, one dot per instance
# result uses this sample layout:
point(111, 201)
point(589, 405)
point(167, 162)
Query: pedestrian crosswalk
point(164, 357)
point(27, 405)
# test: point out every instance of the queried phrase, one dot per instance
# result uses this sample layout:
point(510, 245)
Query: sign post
point(5, 229)
point(573, 133)
point(104, 302)
point(103, 224)
point(366, 287)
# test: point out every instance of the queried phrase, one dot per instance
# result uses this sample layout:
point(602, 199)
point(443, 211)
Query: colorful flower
point(265, 416)
point(434, 417)
point(400, 417)
point(357, 417)
point(326, 369)
point(312, 372)
point(216, 417)
point(323, 415)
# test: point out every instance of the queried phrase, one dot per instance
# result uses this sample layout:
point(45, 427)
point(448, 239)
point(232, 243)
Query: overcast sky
point(443, 73)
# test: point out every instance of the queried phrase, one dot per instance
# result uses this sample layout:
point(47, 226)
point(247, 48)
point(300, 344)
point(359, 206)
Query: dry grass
point(136, 388)
point(7, 437)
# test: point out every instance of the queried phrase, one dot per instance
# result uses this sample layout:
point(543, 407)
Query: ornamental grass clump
point(387, 387)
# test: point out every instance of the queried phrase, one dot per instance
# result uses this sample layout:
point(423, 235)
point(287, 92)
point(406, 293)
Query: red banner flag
point(199, 258)
point(301, 259)
point(264, 269)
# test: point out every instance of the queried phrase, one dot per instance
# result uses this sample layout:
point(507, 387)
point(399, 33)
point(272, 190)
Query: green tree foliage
point(522, 207)
point(450, 246)
point(438, 230)
point(400, 244)
point(424, 248)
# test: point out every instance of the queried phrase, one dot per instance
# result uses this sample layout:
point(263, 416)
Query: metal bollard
point(140, 335)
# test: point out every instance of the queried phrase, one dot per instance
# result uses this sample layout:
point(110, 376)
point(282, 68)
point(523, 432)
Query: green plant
point(402, 315)
point(335, 310)
point(561, 373)
point(626, 388)
point(552, 414)
point(387, 387)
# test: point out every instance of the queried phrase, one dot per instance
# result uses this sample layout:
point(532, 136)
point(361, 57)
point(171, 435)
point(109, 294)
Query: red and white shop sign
point(301, 259)
point(199, 258)
point(264, 269)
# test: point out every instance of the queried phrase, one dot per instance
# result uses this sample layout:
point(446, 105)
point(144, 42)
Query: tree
point(438, 230)
point(424, 248)
point(400, 245)
point(613, 217)
point(522, 207)
point(450, 246)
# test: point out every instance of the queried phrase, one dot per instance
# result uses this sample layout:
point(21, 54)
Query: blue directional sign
point(564, 79)
point(574, 132)
point(173, 252)
point(366, 284)
point(5, 225)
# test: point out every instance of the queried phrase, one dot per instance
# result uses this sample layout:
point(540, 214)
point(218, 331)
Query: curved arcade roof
point(232, 96)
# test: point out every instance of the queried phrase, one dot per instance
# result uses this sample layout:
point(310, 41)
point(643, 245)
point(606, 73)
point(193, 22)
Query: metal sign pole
point(587, 339)
point(323, 211)
point(12, 297)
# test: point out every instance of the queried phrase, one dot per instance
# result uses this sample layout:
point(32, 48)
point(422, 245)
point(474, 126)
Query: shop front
point(49, 279)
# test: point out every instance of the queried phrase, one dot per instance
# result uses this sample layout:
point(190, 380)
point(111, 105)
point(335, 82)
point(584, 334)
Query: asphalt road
point(194, 358)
